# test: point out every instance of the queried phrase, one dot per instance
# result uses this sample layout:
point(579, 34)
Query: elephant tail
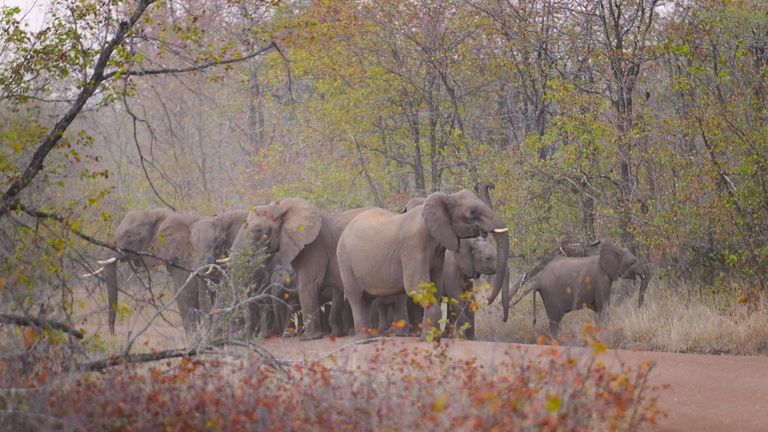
point(533, 294)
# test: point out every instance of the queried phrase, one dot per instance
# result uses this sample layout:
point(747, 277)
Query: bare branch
point(39, 322)
point(194, 68)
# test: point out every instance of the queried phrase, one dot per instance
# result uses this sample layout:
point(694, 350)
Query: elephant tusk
point(107, 261)
point(223, 260)
point(500, 230)
point(101, 269)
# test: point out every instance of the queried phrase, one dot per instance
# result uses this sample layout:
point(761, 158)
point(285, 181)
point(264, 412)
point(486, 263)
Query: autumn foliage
point(388, 386)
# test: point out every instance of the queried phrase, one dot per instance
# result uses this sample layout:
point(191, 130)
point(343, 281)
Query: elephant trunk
point(484, 194)
point(506, 297)
point(501, 281)
point(110, 277)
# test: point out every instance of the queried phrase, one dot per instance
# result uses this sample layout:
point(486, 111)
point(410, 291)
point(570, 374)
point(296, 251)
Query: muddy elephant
point(567, 284)
point(136, 233)
point(382, 253)
point(307, 239)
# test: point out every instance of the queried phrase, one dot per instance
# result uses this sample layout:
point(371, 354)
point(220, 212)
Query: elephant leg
point(309, 297)
point(251, 320)
point(266, 321)
point(281, 318)
point(186, 298)
point(470, 332)
point(554, 327)
point(399, 315)
point(203, 297)
point(379, 315)
point(347, 322)
point(337, 307)
point(452, 320)
point(415, 316)
point(361, 313)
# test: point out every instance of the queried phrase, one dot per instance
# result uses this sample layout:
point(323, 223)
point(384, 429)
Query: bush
point(392, 388)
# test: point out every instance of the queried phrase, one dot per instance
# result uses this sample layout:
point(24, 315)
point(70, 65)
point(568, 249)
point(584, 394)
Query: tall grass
point(671, 319)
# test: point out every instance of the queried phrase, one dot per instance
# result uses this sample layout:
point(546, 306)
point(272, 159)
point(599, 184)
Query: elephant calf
point(568, 284)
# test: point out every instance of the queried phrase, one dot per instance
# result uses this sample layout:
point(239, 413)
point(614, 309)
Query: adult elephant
point(568, 284)
point(475, 257)
point(136, 233)
point(174, 245)
point(383, 253)
point(212, 238)
point(306, 240)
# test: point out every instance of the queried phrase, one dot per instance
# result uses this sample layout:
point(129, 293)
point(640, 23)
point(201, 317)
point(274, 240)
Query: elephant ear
point(300, 224)
point(610, 259)
point(436, 214)
point(465, 259)
point(157, 215)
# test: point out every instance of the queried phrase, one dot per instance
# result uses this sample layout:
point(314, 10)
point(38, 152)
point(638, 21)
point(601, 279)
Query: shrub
point(392, 387)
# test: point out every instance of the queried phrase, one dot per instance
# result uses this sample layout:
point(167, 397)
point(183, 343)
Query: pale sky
point(33, 11)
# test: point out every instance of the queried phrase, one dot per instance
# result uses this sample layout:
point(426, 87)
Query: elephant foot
point(401, 332)
point(307, 336)
point(337, 331)
point(360, 336)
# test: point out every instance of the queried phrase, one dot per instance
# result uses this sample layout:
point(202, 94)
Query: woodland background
point(643, 121)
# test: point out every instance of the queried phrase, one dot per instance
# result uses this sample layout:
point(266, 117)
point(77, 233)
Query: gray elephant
point(212, 238)
point(475, 257)
point(568, 284)
point(307, 239)
point(135, 233)
point(283, 281)
point(174, 244)
point(382, 253)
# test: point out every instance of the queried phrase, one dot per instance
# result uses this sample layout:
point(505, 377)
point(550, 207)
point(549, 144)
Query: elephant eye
point(473, 212)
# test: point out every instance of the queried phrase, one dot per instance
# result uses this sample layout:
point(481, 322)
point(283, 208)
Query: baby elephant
point(568, 284)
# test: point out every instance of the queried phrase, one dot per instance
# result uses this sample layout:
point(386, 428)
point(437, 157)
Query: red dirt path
point(707, 392)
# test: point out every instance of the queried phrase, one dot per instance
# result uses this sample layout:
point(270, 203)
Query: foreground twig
point(39, 322)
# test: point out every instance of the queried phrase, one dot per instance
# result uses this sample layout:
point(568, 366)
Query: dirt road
point(707, 392)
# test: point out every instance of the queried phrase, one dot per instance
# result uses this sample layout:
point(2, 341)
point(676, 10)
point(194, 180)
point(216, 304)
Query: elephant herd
point(369, 263)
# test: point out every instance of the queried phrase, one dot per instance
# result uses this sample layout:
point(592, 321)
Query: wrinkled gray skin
point(307, 241)
point(382, 253)
point(136, 232)
point(174, 244)
point(212, 238)
point(568, 284)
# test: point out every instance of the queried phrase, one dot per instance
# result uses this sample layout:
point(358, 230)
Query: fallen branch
point(100, 365)
point(39, 322)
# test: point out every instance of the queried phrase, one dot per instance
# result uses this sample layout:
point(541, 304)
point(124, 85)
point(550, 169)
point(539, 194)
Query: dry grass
point(670, 320)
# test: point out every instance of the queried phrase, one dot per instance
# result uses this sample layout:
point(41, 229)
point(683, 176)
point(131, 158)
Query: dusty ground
point(706, 393)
